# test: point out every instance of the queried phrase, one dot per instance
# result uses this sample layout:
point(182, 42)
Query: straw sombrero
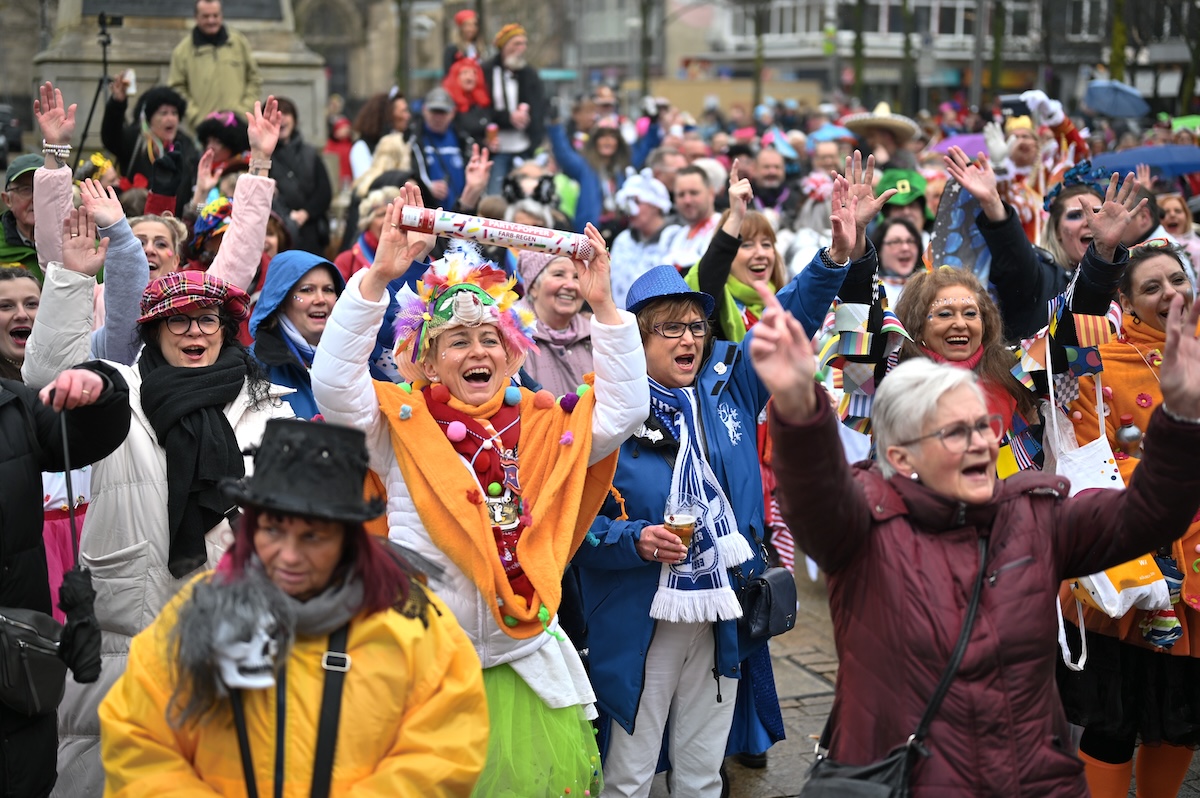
point(900, 126)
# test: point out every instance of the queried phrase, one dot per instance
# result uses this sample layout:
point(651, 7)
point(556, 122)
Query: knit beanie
point(507, 34)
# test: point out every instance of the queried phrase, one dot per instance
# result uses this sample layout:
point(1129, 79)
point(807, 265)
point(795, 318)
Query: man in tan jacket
point(213, 67)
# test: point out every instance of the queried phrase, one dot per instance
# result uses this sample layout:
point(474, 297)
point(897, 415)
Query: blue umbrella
point(1115, 99)
point(1168, 160)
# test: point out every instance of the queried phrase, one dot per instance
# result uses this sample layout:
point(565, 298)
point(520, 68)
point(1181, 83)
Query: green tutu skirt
point(533, 750)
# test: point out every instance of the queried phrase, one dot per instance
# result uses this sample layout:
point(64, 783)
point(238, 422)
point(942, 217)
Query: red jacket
point(902, 562)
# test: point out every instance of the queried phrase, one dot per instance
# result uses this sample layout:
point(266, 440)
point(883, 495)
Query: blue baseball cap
point(662, 282)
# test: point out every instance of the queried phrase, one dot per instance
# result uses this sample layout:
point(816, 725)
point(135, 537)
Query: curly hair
point(374, 119)
point(995, 367)
point(1139, 255)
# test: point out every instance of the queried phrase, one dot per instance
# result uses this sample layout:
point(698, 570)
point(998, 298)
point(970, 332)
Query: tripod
point(105, 39)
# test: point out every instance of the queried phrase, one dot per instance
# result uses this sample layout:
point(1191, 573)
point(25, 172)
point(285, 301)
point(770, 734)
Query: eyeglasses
point(957, 437)
point(209, 323)
point(20, 191)
point(676, 329)
point(900, 242)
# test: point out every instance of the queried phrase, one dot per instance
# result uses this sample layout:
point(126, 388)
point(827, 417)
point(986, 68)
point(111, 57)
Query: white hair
point(530, 207)
point(372, 202)
point(907, 400)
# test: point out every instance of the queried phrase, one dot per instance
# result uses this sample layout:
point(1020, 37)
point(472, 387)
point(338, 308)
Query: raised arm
point(240, 255)
point(622, 390)
point(52, 182)
point(126, 273)
point(814, 479)
point(61, 335)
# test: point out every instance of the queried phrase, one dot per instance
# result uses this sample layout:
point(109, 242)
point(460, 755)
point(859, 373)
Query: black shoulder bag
point(33, 677)
point(889, 777)
point(335, 662)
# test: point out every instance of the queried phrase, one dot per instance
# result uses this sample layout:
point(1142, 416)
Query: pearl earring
point(434, 378)
point(914, 477)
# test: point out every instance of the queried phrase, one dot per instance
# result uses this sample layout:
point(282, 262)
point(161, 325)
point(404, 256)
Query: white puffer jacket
point(344, 393)
point(125, 544)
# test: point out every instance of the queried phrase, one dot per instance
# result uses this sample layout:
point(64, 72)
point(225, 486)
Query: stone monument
point(149, 31)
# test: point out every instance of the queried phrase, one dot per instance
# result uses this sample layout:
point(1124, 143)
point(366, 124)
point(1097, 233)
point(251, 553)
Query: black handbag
point(33, 677)
point(889, 777)
point(769, 603)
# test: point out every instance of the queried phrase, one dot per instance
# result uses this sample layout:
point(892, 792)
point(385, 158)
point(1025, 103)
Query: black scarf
point(186, 408)
point(216, 40)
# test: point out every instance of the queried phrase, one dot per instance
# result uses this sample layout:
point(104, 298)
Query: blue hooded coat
point(281, 359)
point(618, 586)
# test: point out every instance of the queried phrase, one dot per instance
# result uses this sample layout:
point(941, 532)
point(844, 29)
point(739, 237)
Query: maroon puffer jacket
point(902, 562)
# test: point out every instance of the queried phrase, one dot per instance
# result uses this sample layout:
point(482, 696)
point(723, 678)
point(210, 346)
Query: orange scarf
point(561, 493)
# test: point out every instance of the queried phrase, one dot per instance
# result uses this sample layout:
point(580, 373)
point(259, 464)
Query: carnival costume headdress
point(460, 290)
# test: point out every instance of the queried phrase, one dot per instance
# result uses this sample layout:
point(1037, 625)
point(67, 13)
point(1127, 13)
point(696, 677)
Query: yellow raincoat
point(413, 720)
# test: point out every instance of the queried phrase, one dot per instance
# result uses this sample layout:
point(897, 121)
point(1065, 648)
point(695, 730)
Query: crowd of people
point(366, 509)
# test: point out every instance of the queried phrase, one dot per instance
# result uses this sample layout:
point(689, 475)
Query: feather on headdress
point(459, 290)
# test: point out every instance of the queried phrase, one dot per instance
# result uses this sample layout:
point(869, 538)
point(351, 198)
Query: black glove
point(167, 174)
point(79, 646)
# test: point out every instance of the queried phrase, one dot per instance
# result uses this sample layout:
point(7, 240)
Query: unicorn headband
point(459, 290)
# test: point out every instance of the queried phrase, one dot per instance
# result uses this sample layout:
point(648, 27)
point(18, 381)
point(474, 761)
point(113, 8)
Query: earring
point(1136, 319)
point(914, 477)
point(434, 378)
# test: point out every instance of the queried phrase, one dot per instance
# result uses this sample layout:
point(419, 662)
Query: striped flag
point(1092, 330)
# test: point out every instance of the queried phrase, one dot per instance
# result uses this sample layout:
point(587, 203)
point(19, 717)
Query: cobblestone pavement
point(805, 667)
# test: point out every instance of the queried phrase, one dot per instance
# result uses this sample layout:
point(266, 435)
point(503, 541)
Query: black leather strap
point(335, 662)
point(239, 720)
point(960, 648)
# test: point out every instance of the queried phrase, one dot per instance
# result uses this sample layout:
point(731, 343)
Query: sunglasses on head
point(1152, 243)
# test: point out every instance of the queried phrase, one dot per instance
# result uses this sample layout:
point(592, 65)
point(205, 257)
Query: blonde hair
point(177, 229)
point(392, 153)
point(374, 201)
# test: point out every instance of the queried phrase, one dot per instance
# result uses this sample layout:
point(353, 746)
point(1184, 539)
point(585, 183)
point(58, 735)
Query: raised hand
point(478, 170)
point(262, 128)
point(740, 194)
point(595, 279)
point(998, 146)
point(842, 221)
point(783, 357)
point(978, 179)
point(1180, 372)
point(54, 117)
point(1111, 220)
point(118, 87)
point(81, 253)
point(397, 249)
point(73, 388)
point(1142, 173)
point(101, 203)
point(860, 184)
point(206, 177)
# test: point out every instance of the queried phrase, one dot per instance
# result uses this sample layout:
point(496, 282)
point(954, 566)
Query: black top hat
point(311, 469)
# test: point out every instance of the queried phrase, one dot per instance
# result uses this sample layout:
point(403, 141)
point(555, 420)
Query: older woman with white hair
point(907, 544)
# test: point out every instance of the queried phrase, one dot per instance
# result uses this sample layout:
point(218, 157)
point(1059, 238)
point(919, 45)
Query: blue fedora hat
point(662, 282)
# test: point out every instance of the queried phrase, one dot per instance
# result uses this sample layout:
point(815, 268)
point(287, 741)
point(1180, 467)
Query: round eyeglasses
point(957, 437)
point(209, 323)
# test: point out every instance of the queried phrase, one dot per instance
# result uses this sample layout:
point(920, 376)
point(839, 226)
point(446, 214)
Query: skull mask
point(246, 653)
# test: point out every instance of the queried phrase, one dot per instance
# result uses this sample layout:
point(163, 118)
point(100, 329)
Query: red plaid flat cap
point(187, 290)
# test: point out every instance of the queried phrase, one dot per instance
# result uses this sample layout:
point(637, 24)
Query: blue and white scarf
point(698, 590)
point(295, 341)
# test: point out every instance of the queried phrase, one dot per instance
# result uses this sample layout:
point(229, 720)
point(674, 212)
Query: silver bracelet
point(828, 260)
point(1175, 417)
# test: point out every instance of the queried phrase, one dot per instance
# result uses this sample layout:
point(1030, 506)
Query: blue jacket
point(271, 348)
point(591, 196)
point(618, 586)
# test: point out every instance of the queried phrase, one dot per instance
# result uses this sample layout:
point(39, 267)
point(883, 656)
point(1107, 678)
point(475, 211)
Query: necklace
point(1149, 365)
